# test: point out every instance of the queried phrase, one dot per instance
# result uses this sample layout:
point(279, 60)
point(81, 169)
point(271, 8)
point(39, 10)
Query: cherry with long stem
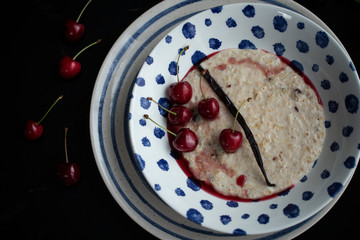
point(185, 140)
point(181, 91)
point(69, 67)
point(208, 107)
point(73, 29)
point(68, 172)
point(33, 130)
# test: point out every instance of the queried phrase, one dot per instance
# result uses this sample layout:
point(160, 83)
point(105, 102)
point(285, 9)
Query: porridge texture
point(282, 110)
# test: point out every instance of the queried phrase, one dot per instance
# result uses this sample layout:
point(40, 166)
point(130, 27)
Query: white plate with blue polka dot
point(249, 26)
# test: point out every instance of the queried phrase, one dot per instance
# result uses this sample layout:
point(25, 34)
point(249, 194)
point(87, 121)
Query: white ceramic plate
point(111, 141)
point(249, 26)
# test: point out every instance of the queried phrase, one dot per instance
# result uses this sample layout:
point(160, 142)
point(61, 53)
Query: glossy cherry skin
point(69, 68)
point(73, 30)
point(180, 92)
point(185, 141)
point(230, 140)
point(208, 108)
point(68, 173)
point(33, 130)
point(182, 117)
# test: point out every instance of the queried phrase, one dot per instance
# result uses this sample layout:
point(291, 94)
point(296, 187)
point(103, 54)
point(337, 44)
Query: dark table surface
point(33, 203)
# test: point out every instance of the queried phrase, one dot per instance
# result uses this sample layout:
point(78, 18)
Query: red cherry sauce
point(240, 181)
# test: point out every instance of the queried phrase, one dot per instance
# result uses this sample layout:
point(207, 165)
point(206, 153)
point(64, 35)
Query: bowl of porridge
point(281, 84)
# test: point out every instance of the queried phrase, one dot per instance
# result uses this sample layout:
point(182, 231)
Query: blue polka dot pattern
point(163, 165)
point(246, 44)
point(351, 103)
point(214, 43)
point(280, 23)
point(307, 195)
point(249, 11)
point(160, 79)
point(146, 142)
point(302, 46)
point(279, 49)
point(172, 68)
point(192, 183)
point(322, 39)
point(189, 30)
point(263, 219)
point(144, 103)
point(216, 9)
point(231, 23)
point(140, 161)
point(197, 56)
point(258, 32)
point(334, 189)
point(225, 219)
point(239, 232)
point(291, 211)
point(180, 192)
point(350, 162)
point(195, 216)
point(207, 205)
point(140, 82)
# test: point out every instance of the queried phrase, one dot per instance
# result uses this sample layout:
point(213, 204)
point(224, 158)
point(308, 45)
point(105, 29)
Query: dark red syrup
point(184, 164)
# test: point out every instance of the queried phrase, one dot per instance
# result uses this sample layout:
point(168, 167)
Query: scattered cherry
point(185, 140)
point(181, 91)
point(177, 115)
point(241, 180)
point(230, 140)
point(33, 130)
point(68, 173)
point(68, 67)
point(73, 29)
point(208, 107)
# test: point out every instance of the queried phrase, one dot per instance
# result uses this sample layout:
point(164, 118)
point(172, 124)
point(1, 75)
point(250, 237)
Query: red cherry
point(230, 140)
point(73, 29)
point(208, 108)
point(33, 130)
point(180, 92)
point(68, 173)
point(68, 67)
point(185, 141)
point(181, 117)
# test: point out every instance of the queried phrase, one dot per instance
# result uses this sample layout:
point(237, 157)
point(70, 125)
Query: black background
point(33, 203)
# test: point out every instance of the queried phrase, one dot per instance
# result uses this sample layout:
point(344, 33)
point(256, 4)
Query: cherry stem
point(202, 93)
point(237, 113)
point(233, 127)
point(151, 99)
point(65, 143)
point(49, 110)
point(177, 63)
point(90, 45)
point(77, 20)
point(147, 117)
